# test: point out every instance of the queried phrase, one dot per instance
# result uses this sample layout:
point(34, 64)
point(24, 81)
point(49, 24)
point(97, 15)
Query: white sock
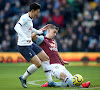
point(47, 70)
point(69, 82)
point(31, 69)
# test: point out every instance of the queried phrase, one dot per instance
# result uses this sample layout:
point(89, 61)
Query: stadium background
point(78, 40)
point(78, 20)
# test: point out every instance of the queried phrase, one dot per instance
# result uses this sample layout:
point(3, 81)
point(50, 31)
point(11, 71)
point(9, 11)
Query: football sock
point(31, 69)
point(47, 70)
point(62, 84)
point(68, 82)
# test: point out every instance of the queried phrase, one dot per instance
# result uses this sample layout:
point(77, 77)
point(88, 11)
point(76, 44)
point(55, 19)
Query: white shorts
point(56, 69)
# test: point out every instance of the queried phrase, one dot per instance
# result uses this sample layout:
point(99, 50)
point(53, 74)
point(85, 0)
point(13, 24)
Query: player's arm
point(64, 62)
point(37, 31)
point(40, 31)
point(37, 39)
point(34, 36)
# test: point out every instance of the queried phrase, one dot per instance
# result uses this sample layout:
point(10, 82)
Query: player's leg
point(84, 85)
point(62, 73)
point(46, 67)
point(30, 56)
point(68, 78)
point(36, 63)
point(45, 63)
point(58, 72)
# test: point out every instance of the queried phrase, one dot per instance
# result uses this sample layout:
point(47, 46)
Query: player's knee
point(56, 73)
point(46, 58)
point(38, 64)
point(63, 75)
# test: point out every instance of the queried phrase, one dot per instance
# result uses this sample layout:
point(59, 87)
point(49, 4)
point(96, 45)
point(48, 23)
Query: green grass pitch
point(9, 74)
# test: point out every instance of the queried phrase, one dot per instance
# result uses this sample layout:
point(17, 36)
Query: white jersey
point(26, 26)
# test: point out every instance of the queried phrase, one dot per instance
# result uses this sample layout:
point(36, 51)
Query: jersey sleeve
point(39, 40)
point(22, 20)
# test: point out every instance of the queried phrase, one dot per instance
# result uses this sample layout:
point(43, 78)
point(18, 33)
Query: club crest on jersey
point(51, 44)
point(57, 67)
point(30, 28)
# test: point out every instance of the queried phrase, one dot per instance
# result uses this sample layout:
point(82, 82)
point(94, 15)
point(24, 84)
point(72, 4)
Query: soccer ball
point(77, 79)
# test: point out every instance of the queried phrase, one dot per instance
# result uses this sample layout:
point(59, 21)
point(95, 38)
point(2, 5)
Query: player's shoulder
point(24, 16)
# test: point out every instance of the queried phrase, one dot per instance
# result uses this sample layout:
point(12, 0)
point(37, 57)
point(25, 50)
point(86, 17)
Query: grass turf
point(9, 74)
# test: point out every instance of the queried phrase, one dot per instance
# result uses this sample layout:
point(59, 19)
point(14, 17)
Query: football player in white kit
point(29, 50)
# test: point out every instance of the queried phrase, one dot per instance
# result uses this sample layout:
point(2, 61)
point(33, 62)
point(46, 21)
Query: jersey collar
point(29, 16)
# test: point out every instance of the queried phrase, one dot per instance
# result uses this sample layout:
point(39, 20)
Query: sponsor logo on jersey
point(23, 19)
point(53, 48)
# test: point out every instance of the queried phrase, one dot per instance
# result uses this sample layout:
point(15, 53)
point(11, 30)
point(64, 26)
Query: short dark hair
point(34, 6)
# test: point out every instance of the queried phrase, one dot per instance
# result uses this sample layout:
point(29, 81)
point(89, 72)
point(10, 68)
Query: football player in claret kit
point(29, 50)
point(48, 44)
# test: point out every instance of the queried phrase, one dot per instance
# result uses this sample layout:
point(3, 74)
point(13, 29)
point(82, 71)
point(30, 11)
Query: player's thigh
point(67, 72)
point(39, 52)
point(35, 60)
point(36, 48)
point(43, 56)
point(56, 70)
point(29, 55)
point(26, 52)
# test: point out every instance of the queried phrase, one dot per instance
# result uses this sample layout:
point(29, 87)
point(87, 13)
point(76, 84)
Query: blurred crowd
point(78, 22)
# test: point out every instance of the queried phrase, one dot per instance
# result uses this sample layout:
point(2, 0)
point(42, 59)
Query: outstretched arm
point(40, 31)
point(65, 62)
point(34, 36)
point(45, 27)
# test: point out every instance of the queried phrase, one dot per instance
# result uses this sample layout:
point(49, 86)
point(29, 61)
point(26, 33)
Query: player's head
point(52, 31)
point(34, 9)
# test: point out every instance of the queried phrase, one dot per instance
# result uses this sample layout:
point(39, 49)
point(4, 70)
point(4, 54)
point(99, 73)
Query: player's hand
point(65, 62)
point(45, 27)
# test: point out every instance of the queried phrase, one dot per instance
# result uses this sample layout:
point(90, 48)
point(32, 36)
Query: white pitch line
point(92, 78)
point(33, 82)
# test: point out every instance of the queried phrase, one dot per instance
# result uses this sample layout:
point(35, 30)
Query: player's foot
point(45, 85)
point(23, 82)
point(50, 84)
point(86, 84)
